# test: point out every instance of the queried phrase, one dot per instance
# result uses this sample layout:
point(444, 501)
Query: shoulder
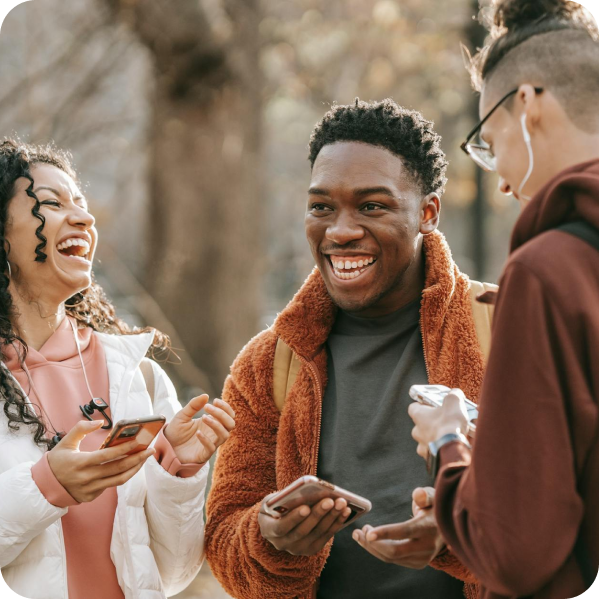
point(257, 356)
point(558, 260)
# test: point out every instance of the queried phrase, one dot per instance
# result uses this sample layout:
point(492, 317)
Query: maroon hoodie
point(511, 510)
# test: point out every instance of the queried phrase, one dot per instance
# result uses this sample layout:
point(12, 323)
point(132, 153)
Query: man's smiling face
point(364, 220)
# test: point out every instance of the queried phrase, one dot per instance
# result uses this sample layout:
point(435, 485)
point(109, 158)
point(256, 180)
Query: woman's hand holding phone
point(304, 530)
point(195, 441)
point(86, 475)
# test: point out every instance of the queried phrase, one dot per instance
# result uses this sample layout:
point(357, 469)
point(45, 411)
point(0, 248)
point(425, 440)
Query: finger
point(424, 497)
point(207, 443)
point(116, 480)
point(74, 437)
point(280, 527)
point(317, 513)
point(422, 450)
point(222, 416)
point(110, 453)
point(417, 411)
point(415, 528)
point(331, 523)
point(193, 406)
point(221, 432)
point(221, 403)
point(337, 524)
point(120, 466)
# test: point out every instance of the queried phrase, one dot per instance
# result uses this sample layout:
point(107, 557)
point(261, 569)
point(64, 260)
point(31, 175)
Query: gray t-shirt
point(366, 447)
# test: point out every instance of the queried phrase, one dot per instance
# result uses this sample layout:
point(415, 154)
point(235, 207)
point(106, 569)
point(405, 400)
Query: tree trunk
point(206, 209)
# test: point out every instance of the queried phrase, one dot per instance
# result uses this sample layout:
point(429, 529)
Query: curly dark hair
point(90, 307)
point(405, 133)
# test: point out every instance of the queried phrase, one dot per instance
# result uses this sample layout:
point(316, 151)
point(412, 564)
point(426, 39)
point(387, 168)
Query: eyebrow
point(365, 191)
point(57, 193)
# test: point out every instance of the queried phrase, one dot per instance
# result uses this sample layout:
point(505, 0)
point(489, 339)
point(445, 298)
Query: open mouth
point(75, 247)
point(350, 267)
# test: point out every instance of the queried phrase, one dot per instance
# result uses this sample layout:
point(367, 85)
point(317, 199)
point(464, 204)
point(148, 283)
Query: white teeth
point(73, 241)
point(347, 265)
point(354, 265)
point(361, 263)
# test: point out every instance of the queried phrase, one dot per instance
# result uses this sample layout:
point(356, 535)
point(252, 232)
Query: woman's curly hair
point(89, 308)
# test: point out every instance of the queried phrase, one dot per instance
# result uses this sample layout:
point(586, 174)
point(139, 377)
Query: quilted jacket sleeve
point(24, 511)
point(174, 506)
point(242, 560)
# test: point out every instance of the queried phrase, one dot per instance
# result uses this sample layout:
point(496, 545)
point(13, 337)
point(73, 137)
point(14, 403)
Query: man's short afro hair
point(405, 133)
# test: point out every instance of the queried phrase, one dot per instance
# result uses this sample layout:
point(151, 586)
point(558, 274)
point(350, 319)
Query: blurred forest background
point(189, 122)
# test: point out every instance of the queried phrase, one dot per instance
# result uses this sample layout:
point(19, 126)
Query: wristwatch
point(432, 460)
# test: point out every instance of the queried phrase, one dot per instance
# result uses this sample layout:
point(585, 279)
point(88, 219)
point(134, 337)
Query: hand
point(434, 423)
point(195, 441)
point(304, 530)
point(85, 475)
point(411, 544)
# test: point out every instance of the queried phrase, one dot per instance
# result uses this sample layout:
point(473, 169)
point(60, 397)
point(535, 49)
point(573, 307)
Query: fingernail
point(304, 511)
point(355, 535)
point(327, 504)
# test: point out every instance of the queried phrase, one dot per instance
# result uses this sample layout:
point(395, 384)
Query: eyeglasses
point(482, 154)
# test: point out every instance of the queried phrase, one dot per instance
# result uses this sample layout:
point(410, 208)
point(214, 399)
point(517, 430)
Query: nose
point(504, 186)
point(344, 230)
point(81, 218)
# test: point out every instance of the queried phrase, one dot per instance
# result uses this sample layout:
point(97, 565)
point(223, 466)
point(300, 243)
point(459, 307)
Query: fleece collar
point(306, 322)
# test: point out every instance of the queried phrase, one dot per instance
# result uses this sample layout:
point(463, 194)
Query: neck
point(35, 320)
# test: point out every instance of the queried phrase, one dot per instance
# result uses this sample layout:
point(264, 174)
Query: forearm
point(174, 511)
point(260, 571)
point(24, 512)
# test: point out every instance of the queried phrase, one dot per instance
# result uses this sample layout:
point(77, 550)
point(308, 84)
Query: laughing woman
point(75, 521)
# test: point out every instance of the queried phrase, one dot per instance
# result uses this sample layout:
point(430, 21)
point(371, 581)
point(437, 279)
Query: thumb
point(423, 497)
point(193, 406)
point(74, 437)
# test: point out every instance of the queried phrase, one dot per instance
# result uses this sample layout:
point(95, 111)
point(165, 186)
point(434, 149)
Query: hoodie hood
point(571, 195)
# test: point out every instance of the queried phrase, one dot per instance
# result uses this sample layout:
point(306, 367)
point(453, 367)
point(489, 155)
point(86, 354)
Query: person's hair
point(405, 133)
point(548, 43)
point(89, 308)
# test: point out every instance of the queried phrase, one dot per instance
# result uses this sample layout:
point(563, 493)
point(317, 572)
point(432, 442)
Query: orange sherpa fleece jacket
point(268, 450)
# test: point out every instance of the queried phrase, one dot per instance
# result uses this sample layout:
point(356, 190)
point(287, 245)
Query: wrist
point(432, 462)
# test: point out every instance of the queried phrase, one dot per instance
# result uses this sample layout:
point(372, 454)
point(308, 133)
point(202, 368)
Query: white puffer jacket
point(158, 536)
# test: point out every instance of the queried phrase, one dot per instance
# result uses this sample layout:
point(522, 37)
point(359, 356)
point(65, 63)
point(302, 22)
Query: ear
point(430, 208)
point(531, 105)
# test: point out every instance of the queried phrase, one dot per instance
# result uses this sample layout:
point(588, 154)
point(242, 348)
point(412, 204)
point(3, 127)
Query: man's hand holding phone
point(304, 530)
point(302, 517)
point(86, 475)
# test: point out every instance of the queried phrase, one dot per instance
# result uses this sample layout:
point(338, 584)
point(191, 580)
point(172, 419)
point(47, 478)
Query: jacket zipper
point(423, 337)
point(316, 378)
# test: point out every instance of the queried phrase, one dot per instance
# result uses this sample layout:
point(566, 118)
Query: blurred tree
point(206, 208)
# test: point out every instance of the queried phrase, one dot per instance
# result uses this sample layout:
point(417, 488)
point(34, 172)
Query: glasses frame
point(467, 146)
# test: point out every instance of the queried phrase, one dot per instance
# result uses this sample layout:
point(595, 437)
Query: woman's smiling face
point(69, 231)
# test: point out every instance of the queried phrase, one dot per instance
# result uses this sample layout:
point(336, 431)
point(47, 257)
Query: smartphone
point(433, 395)
point(309, 490)
point(143, 430)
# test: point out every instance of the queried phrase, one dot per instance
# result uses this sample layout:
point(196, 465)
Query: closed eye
point(51, 203)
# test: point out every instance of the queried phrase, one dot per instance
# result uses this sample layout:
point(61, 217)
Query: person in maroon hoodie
point(521, 511)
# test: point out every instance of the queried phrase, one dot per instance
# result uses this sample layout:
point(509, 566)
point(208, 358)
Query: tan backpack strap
point(148, 372)
point(483, 315)
point(285, 369)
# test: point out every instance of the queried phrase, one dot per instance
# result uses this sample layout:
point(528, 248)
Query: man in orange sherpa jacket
point(385, 308)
